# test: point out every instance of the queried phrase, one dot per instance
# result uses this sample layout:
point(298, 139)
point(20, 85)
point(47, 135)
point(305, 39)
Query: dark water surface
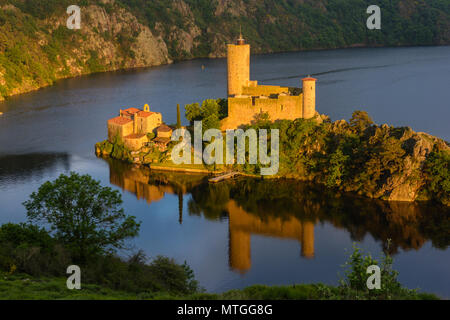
point(244, 232)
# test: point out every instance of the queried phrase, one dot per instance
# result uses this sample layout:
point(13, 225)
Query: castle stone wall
point(135, 142)
point(263, 90)
point(244, 109)
point(148, 124)
point(120, 131)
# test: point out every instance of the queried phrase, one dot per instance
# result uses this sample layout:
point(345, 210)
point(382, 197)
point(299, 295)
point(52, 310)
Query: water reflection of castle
point(288, 211)
point(243, 224)
point(137, 182)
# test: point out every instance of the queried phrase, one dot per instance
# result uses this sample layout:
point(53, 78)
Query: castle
point(247, 99)
point(133, 127)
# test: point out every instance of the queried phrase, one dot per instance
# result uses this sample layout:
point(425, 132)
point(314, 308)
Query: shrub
point(438, 176)
point(355, 284)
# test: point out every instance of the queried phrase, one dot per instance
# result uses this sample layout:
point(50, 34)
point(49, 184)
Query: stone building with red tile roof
point(163, 136)
point(132, 126)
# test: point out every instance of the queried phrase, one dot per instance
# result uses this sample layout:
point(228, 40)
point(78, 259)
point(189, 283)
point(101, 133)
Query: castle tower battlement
point(238, 60)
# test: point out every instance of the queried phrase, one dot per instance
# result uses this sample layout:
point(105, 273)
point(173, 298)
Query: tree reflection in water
point(288, 209)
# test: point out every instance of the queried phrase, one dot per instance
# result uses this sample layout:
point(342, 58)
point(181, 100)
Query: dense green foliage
point(209, 113)
point(31, 251)
point(438, 176)
point(274, 25)
point(361, 157)
point(163, 279)
point(84, 216)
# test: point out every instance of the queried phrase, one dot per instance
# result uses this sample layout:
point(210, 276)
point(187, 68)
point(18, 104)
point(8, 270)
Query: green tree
point(210, 113)
point(336, 168)
point(360, 121)
point(193, 112)
point(178, 117)
point(437, 173)
point(86, 217)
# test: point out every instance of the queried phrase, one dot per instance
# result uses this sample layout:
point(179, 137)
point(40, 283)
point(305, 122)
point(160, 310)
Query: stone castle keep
point(247, 99)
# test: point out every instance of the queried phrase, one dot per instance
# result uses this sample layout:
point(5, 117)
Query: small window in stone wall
point(281, 107)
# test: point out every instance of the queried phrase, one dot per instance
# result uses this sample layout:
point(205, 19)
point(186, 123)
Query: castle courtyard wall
point(244, 109)
point(263, 90)
point(120, 131)
point(148, 124)
point(135, 142)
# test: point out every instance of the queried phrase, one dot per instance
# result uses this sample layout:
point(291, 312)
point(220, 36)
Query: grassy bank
point(24, 287)
point(33, 265)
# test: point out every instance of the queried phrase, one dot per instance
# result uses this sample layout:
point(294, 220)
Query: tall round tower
point(309, 97)
point(308, 240)
point(238, 56)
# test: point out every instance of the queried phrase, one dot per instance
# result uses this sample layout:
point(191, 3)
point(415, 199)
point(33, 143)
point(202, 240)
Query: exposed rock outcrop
point(36, 49)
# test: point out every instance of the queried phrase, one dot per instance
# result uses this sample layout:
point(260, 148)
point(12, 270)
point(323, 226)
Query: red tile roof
point(164, 128)
point(132, 110)
point(145, 114)
point(135, 136)
point(120, 120)
point(309, 79)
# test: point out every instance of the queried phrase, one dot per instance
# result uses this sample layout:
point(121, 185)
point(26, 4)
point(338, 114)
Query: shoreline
point(144, 68)
point(217, 173)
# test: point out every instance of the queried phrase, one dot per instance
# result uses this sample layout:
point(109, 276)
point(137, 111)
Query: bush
point(30, 250)
point(438, 176)
point(355, 284)
point(25, 235)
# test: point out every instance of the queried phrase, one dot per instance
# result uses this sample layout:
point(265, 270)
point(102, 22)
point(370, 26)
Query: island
point(357, 156)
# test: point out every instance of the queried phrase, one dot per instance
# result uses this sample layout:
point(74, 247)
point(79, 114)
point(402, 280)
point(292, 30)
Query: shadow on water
point(299, 76)
point(25, 166)
point(288, 209)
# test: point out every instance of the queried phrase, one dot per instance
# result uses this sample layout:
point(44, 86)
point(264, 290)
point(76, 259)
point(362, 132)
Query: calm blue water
point(53, 131)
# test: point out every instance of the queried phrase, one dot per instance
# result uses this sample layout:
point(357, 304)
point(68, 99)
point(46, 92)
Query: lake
point(244, 232)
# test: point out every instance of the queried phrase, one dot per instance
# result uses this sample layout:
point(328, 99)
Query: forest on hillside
point(36, 48)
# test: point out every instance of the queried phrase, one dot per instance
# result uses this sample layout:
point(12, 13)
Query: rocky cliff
point(376, 161)
point(36, 48)
point(42, 51)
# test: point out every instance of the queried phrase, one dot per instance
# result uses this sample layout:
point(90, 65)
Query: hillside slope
point(36, 48)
